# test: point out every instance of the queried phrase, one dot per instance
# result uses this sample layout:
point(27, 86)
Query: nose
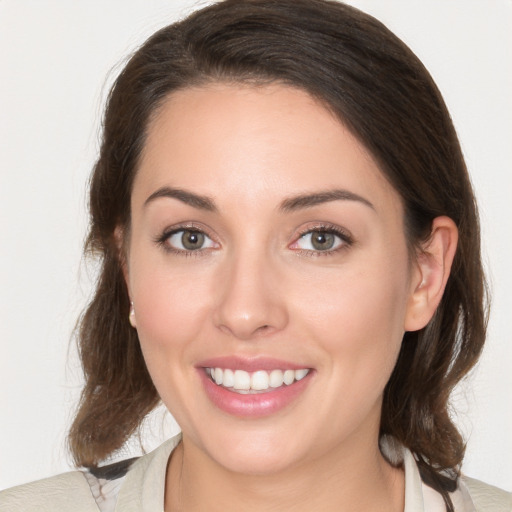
point(251, 298)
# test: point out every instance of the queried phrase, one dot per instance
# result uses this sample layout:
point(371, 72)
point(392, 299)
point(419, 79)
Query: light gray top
point(142, 488)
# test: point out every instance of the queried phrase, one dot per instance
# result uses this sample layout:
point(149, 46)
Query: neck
point(353, 477)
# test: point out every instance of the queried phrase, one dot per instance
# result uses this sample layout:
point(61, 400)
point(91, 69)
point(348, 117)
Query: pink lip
point(252, 405)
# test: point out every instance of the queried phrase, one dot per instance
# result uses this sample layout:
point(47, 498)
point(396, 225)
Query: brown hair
point(380, 90)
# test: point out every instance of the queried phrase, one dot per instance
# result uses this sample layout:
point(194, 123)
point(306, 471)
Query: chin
point(254, 453)
point(249, 461)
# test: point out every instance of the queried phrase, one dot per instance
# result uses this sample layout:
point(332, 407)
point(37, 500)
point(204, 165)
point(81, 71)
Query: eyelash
point(164, 237)
point(344, 236)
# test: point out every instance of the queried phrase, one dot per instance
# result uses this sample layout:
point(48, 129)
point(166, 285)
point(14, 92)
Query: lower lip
point(253, 405)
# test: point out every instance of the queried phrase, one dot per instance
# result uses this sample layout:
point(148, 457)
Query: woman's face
point(265, 245)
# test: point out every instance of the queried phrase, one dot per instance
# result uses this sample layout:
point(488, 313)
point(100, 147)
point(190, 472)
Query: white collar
point(144, 485)
point(419, 497)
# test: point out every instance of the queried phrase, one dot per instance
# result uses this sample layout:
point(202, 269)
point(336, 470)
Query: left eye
point(319, 240)
point(189, 240)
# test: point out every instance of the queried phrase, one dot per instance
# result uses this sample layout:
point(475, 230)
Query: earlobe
point(131, 316)
point(433, 265)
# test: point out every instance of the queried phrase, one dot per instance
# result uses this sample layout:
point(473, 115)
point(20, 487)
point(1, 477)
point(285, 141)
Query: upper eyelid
point(328, 228)
point(188, 226)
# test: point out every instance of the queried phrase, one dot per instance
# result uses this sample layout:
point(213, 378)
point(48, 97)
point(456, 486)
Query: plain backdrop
point(57, 59)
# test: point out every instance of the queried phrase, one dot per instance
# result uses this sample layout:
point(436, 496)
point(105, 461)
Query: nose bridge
point(251, 302)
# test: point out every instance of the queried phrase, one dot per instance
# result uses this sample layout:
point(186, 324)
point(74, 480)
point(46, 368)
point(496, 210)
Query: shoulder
point(486, 497)
point(129, 485)
point(69, 491)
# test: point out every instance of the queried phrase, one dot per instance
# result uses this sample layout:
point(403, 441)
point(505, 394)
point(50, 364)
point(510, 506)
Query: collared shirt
point(138, 485)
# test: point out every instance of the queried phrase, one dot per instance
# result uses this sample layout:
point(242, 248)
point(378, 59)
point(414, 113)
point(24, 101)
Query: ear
point(119, 239)
point(432, 269)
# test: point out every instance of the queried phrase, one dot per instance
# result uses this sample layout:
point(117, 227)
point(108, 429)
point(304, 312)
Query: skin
point(259, 288)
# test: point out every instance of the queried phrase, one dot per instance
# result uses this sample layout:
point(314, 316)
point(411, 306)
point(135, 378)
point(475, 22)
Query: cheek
point(356, 300)
point(358, 315)
point(171, 306)
point(171, 314)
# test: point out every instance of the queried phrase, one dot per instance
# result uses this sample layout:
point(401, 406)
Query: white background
point(56, 60)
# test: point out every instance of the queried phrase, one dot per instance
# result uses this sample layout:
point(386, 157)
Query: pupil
point(322, 241)
point(192, 240)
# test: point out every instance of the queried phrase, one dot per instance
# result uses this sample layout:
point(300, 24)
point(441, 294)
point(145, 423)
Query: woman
point(290, 256)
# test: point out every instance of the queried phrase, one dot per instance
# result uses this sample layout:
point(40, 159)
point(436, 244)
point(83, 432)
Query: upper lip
point(251, 364)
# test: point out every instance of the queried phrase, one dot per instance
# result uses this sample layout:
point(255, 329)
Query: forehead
point(245, 143)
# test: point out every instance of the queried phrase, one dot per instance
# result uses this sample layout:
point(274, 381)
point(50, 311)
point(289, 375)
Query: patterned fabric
point(138, 485)
point(107, 481)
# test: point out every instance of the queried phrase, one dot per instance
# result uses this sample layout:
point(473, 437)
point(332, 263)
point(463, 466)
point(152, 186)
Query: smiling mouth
point(261, 381)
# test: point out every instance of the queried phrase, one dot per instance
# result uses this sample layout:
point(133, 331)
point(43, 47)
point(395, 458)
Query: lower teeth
point(249, 391)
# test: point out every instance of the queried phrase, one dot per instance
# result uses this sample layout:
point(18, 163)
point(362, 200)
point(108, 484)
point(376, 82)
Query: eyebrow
point(309, 200)
point(288, 205)
point(195, 200)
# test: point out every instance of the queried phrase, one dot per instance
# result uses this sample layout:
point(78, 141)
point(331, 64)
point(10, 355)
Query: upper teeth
point(257, 381)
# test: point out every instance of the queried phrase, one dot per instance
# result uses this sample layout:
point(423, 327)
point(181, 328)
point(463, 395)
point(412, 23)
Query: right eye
point(189, 240)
